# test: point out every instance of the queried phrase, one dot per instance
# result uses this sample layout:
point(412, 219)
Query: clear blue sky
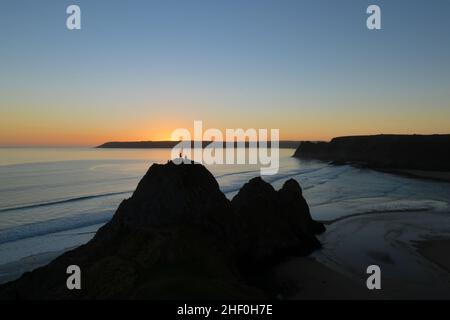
point(139, 69)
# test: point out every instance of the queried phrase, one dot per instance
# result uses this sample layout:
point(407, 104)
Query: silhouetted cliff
point(420, 152)
point(178, 236)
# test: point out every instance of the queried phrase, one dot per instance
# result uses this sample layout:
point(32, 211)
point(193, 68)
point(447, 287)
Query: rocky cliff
point(419, 152)
point(179, 237)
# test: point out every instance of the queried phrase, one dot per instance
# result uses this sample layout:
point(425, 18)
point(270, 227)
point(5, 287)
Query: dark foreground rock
point(178, 236)
point(416, 152)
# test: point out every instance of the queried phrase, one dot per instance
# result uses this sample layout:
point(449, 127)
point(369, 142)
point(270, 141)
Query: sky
point(139, 69)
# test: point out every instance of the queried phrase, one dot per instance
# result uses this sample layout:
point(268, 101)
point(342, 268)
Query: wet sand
point(437, 251)
point(307, 279)
point(412, 266)
point(399, 244)
point(443, 176)
point(411, 249)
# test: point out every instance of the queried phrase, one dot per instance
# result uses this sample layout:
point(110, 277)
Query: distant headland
point(285, 144)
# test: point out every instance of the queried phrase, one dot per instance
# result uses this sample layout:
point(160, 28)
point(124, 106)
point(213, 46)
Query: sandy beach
point(414, 261)
point(436, 251)
point(306, 278)
point(411, 269)
point(423, 174)
point(412, 265)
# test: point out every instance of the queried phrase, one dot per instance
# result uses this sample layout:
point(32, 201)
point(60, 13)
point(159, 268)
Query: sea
point(55, 199)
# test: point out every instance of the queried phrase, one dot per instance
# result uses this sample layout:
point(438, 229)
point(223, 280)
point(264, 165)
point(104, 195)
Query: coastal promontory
point(409, 152)
point(179, 237)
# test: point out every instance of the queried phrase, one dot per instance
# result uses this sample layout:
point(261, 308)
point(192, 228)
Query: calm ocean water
point(54, 199)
